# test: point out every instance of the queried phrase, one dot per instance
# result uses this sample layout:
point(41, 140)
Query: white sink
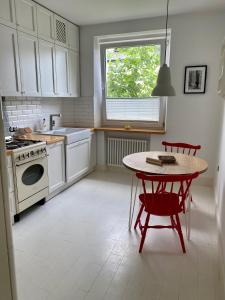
point(71, 135)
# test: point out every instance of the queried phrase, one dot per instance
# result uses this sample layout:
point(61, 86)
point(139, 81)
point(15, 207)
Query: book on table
point(162, 159)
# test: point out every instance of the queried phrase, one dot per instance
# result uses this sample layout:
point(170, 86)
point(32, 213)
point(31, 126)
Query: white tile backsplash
point(29, 112)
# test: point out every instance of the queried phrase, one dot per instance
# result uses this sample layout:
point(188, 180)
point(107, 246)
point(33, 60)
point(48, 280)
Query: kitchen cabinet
point(56, 166)
point(12, 201)
point(10, 84)
point(45, 24)
point(61, 31)
point(74, 74)
point(29, 64)
point(62, 72)
point(93, 151)
point(77, 159)
point(73, 37)
point(26, 16)
point(47, 68)
point(7, 13)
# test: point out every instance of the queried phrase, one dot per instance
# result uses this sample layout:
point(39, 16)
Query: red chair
point(164, 199)
point(184, 148)
point(181, 148)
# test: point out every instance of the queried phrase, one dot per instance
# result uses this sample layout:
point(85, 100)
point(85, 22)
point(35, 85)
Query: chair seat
point(164, 204)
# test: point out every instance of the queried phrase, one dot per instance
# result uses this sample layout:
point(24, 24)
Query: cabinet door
point(61, 31)
point(47, 68)
point(45, 24)
point(10, 84)
point(62, 74)
point(7, 13)
point(77, 159)
point(29, 64)
point(26, 16)
point(93, 154)
point(56, 166)
point(74, 74)
point(73, 37)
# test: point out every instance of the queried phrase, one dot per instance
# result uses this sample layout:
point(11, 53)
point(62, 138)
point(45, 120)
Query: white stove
point(30, 168)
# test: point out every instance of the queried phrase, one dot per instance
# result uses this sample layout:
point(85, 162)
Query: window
point(129, 75)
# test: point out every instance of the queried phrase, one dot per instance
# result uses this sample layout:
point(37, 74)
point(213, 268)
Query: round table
point(185, 164)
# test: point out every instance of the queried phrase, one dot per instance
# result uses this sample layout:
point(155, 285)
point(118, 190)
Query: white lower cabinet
point(93, 154)
point(77, 159)
point(56, 166)
point(12, 201)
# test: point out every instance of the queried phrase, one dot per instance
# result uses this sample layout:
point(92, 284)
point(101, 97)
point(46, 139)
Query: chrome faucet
point(52, 122)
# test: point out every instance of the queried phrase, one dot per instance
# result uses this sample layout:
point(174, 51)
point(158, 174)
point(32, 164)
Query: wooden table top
point(185, 164)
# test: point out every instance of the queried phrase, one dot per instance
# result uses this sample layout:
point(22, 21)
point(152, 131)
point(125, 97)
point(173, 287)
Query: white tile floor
point(77, 247)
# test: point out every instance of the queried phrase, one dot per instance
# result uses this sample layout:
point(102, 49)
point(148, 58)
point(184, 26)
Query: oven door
point(31, 178)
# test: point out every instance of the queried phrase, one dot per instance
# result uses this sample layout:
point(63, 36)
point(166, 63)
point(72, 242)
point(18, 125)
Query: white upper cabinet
point(26, 16)
point(10, 84)
point(45, 23)
point(47, 68)
point(74, 74)
point(61, 31)
point(73, 37)
point(29, 64)
point(7, 13)
point(62, 72)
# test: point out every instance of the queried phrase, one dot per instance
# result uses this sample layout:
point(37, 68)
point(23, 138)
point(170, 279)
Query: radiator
point(117, 148)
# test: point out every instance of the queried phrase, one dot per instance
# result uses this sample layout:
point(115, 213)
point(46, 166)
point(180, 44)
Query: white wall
point(196, 39)
point(220, 191)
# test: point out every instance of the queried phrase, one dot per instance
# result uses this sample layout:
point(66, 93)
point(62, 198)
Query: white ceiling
point(83, 12)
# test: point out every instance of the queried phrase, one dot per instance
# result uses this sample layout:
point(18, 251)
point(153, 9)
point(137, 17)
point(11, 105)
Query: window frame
point(163, 100)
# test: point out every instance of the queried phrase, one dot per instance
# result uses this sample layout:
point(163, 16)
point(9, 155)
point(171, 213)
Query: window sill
point(132, 130)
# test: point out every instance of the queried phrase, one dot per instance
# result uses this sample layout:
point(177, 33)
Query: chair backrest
point(181, 148)
point(169, 184)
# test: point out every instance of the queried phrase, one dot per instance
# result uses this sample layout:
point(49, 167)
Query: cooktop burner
point(15, 144)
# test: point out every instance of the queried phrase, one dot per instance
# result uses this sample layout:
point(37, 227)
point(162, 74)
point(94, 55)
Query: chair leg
point(139, 215)
point(179, 230)
point(172, 222)
point(143, 233)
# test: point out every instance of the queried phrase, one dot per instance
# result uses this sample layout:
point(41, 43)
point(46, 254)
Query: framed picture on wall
point(195, 79)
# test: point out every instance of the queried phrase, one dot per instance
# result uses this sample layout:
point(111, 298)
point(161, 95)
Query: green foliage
point(131, 72)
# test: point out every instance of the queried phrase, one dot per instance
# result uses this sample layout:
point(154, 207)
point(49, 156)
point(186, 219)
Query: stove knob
point(23, 156)
point(32, 153)
point(28, 155)
point(38, 152)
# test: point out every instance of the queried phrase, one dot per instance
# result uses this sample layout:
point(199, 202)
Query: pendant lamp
point(164, 86)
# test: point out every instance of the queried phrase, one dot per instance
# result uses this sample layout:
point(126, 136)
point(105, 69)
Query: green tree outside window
point(131, 72)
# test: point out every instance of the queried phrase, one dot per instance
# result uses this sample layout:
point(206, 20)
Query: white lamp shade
point(164, 87)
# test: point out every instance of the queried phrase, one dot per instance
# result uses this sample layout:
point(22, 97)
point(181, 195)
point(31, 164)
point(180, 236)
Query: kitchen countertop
point(49, 139)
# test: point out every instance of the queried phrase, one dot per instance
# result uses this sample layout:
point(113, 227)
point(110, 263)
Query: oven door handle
point(18, 164)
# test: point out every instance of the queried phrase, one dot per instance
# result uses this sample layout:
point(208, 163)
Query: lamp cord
point(167, 13)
